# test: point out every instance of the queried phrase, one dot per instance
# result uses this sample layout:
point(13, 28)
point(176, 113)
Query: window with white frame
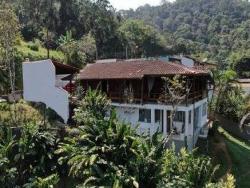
point(179, 116)
point(157, 116)
point(145, 115)
point(179, 122)
point(204, 109)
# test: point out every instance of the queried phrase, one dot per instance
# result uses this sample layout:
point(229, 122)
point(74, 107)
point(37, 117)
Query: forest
point(96, 151)
point(218, 30)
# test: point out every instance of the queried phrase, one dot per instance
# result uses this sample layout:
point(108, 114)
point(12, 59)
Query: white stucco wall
point(130, 114)
point(39, 80)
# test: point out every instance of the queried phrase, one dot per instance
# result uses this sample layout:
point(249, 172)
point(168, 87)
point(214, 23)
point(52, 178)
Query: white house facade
point(134, 88)
point(42, 82)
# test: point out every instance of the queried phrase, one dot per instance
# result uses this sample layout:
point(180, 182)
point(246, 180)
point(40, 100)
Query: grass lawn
point(41, 53)
point(239, 152)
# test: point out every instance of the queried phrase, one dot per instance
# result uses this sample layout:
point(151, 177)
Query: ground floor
point(188, 123)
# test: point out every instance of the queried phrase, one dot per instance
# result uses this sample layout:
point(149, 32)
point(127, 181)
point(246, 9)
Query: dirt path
point(219, 146)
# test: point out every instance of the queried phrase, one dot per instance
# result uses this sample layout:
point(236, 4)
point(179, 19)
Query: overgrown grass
point(240, 154)
point(27, 50)
point(22, 113)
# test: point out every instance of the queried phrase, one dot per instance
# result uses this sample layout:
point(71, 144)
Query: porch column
point(153, 129)
point(186, 123)
point(165, 122)
point(191, 129)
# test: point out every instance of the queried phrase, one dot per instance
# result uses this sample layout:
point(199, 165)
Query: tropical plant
point(229, 182)
point(35, 153)
point(186, 170)
point(8, 173)
point(93, 107)
point(79, 52)
point(48, 182)
point(106, 152)
point(100, 153)
point(228, 97)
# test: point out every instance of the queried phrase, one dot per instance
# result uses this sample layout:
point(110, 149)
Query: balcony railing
point(153, 98)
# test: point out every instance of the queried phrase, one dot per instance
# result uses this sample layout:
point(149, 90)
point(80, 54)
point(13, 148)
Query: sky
point(127, 4)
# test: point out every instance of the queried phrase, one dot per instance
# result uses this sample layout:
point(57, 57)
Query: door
point(159, 120)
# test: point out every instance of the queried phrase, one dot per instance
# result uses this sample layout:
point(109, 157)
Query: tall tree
point(141, 39)
point(9, 30)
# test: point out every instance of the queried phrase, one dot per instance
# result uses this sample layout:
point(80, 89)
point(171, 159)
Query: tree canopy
point(213, 29)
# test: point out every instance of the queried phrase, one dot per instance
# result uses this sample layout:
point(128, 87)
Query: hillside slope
point(214, 28)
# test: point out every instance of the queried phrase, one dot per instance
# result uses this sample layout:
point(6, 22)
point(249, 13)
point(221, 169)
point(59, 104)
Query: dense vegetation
point(217, 29)
point(100, 152)
point(77, 32)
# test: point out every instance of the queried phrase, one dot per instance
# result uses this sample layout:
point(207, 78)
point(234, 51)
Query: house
point(135, 86)
point(49, 82)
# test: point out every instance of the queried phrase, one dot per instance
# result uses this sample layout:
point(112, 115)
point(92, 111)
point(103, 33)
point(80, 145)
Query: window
point(159, 119)
point(189, 116)
point(157, 116)
point(179, 116)
point(145, 115)
point(196, 117)
point(204, 109)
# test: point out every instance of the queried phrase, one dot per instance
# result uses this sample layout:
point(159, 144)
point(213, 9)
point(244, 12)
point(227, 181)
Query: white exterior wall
point(39, 85)
point(130, 113)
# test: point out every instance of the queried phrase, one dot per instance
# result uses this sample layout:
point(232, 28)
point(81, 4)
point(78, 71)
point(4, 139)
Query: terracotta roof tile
point(135, 70)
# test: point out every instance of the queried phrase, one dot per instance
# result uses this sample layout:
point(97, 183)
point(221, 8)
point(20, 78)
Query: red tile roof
point(135, 70)
point(64, 68)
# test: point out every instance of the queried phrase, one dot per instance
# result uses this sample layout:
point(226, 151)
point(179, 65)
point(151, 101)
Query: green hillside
point(210, 28)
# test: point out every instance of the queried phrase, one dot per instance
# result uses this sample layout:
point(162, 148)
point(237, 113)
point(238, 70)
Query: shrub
point(106, 152)
point(35, 155)
point(18, 114)
point(93, 107)
point(28, 156)
point(47, 182)
point(34, 45)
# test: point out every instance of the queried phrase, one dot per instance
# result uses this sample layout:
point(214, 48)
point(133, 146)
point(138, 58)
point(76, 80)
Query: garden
point(98, 152)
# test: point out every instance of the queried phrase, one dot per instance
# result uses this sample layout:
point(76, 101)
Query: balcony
point(137, 98)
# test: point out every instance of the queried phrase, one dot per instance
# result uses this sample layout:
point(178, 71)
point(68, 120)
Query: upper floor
point(141, 81)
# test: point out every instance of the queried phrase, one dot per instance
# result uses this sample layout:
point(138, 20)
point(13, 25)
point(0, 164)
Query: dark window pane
point(145, 115)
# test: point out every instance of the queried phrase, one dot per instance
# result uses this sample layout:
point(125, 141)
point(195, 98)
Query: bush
point(34, 45)
point(4, 106)
point(28, 156)
point(19, 114)
point(47, 182)
point(106, 152)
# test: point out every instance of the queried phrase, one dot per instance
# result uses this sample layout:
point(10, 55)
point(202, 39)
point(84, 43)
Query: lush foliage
point(101, 152)
point(229, 99)
point(19, 114)
point(93, 107)
point(9, 29)
point(106, 152)
point(77, 52)
point(214, 28)
point(26, 156)
point(141, 39)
